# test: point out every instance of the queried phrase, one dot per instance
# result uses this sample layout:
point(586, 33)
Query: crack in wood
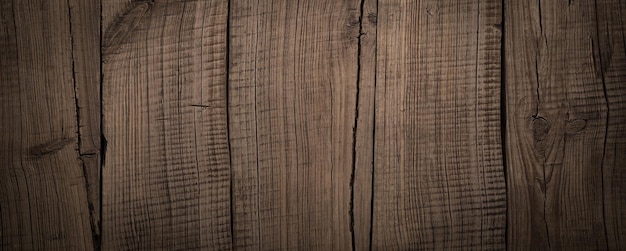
point(95, 232)
point(355, 125)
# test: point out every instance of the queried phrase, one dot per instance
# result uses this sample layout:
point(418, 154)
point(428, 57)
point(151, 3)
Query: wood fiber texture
point(166, 177)
point(565, 117)
point(48, 171)
point(292, 92)
point(312, 125)
point(438, 174)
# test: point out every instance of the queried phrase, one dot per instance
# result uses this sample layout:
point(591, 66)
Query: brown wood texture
point(363, 169)
point(565, 117)
point(611, 49)
point(166, 176)
point(438, 176)
point(312, 125)
point(85, 38)
point(48, 73)
point(292, 91)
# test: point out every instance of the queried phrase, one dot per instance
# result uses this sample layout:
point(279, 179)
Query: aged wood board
point(312, 125)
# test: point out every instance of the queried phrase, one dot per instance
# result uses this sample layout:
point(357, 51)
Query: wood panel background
point(312, 125)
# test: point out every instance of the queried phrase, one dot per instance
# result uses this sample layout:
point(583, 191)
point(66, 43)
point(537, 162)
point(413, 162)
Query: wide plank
point(438, 168)
point(557, 117)
point(611, 15)
point(43, 190)
point(166, 176)
point(85, 38)
point(362, 180)
point(292, 101)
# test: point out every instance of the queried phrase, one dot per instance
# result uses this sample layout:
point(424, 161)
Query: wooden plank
point(557, 125)
point(438, 169)
point(43, 190)
point(85, 38)
point(292, 97)
point(364, 138)
point(611, 64)
point(166, 176)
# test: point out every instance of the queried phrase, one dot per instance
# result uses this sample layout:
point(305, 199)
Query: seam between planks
point(103, 142)
point(503, 117)
point(371, 234)
point(90, 207)
point(230, 155)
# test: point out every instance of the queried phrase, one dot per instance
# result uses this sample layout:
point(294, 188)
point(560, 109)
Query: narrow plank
point(292, 98)
point(611, 60)
point(85, 38)
point(43, 194)
point(364, 137)
point(556, 126)
point(166, 176)
point(438, 169)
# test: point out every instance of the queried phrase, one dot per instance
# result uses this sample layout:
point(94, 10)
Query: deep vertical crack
point(544, 182)
point(230, 155)
point(537, 56)
point(94, 233)
point(103, 141)
point(538, 99)
point(371, 233)
point(356, 118)
point(503, 117)
point(76, 105)
point(606, 129)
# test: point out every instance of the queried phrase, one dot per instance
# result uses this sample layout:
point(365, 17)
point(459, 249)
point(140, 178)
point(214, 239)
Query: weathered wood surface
point(85, 38)
point(363, 170)
point(565, 118)
point(292, 92)
point(438, 176)
point(48, 77)
point(166, 176)
point(316, 125)
point(611, 64)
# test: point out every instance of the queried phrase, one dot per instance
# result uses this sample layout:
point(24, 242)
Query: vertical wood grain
point(557, 88)
point(166, 176)
point(315, 125)
point(362, 187)
point(438, 171)
point(293, 75)
point(611, 63)
point(43, 190)
point(85, 39)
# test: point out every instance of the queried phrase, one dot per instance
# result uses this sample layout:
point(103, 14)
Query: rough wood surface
point(292, 91)
point(363, 169)
point(166, 176)
point(43, 189)
point(313, 125)
point(611, 64)
point(438, 177)
point(85, 38)
point(562, 78)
